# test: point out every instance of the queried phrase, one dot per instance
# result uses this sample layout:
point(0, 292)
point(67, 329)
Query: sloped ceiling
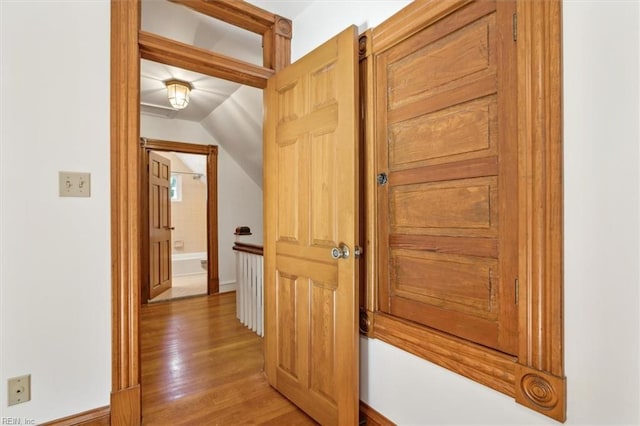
point(238, 122)
point(208, 93)
point(230, 112)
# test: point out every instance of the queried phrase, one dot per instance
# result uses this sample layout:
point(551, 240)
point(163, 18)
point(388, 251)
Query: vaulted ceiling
point(230, 112)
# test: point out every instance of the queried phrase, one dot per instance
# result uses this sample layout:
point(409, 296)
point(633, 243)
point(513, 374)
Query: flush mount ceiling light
point(178, 93)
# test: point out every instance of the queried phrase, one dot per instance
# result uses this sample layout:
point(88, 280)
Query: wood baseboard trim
point(96, 417)
point(370, 417)
point(126, 407)
point(102, 417)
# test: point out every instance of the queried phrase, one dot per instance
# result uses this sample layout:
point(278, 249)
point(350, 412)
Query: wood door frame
point(126, 210)
point(211, 152)
point(539, 34)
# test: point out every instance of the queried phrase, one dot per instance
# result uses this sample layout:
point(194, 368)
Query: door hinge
point(366, 322)
point(515, 27)
point(517, 288)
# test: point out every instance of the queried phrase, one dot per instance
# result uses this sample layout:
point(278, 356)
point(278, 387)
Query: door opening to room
point(177, 225)
point(180, 220)
point(129, 235)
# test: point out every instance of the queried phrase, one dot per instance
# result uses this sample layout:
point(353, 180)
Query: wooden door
point(311, 206)
point(447, 140)
point(159, 224)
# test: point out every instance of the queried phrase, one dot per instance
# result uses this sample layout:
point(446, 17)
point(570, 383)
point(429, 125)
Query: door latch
point(382, 178)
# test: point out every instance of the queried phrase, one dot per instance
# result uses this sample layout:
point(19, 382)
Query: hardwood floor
point(184, 286)
point(200, 366)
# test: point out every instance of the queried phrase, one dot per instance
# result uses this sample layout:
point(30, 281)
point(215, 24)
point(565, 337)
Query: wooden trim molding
point(96, 417)
point(213, 281)
point(163, 50)
point(126, 406)
point(275, 30)
point(126, 162)
point(535, 377)
point(249, 248)
point(411, 19)
point(540, 381)
point(238, 13)
point(276, 44)
point(185, 147)
point(125, 212)
point(211, 151)
point(368, 213)
point(370, 417)
point(483, 365)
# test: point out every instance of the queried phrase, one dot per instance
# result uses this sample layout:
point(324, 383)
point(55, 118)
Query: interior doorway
point(180, 255)
point(185, 233)
point(126, 206)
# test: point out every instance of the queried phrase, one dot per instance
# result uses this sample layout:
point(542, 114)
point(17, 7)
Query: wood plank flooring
point(184, 286)
point(200, 366)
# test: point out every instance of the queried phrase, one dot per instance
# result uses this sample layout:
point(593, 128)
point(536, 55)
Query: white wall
point(601, 210)
point(601, 218)
point(55, 285)
point(326, 18)
point(601, 235)
point(239, 197)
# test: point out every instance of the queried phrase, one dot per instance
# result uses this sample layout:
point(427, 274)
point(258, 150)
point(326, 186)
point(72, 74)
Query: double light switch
point(74, 184)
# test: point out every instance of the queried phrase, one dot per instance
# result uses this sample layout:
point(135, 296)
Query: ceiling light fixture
point(178, 93)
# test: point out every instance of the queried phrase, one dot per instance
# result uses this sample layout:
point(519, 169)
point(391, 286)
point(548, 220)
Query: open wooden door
point(159, 224)
point(311, 217)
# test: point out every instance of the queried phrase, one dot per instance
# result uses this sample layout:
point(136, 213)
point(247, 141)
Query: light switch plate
point(74, 184)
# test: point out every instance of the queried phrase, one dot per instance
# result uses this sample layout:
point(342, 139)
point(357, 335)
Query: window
point(175, 187)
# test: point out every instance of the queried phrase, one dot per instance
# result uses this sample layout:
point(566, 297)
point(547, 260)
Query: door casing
point(539, 127)
point(211, 152)
point(128, 45)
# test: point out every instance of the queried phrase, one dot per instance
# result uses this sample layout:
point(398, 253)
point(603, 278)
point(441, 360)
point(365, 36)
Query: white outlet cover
point(74, 184)
point(19, 389)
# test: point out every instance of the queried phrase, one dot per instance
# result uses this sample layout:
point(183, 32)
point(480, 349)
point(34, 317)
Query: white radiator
point(249, 291)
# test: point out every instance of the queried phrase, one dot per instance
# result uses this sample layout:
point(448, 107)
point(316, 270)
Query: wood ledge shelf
point(249, 248)
point(536, 389)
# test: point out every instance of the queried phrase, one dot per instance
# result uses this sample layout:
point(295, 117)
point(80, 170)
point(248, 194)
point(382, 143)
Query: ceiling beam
point(236, 12)
point(170, 52)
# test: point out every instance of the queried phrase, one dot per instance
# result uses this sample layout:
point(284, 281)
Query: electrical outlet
point(19, 389)
point(74, 184)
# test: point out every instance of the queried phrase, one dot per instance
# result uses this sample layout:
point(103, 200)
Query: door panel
point(159, 224)
point(311, 206)
point(448, 214)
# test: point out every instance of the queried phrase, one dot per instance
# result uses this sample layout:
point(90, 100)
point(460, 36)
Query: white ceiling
point(230, 112)
point(207, 94)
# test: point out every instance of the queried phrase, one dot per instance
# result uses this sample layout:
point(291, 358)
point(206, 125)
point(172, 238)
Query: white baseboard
point(227, 286)
point(189, 256)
